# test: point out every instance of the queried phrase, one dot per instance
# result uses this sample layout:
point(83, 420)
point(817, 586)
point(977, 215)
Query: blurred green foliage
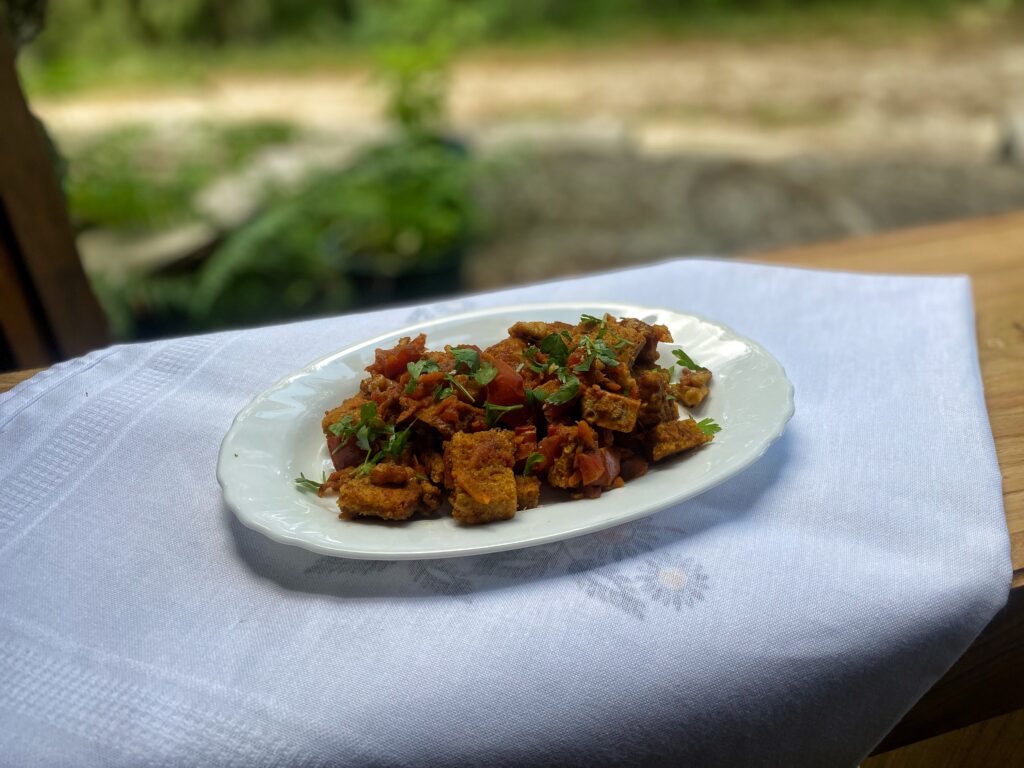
point(96, 42)
point(382, 229)
point(391, 226)
point(414, 44)
point(136, 178)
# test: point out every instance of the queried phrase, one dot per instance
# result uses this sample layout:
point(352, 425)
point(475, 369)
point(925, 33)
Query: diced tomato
point(557, 414)
point(587, 435)
point(426, 384)
point(449, 411)
point(611, 465)
point(507, 388)
point(599, 467)
point(525, 441)
point(347, 455)
point(633, 467)
point(392, 362)
point(551, 447)
point(590, 465)
point(576, 357)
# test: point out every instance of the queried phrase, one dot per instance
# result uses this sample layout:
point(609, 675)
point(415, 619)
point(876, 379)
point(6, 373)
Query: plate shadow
point(296, 569)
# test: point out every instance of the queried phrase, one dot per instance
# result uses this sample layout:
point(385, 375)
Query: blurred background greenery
point(99, 42)
point(236, 162)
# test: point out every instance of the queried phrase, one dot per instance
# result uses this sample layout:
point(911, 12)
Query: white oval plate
point(278, 435)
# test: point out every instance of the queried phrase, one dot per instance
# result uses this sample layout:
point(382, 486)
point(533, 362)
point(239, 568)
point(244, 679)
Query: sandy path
point(766, 100)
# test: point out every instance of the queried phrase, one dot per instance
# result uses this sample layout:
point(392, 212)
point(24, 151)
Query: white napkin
point(788, 617)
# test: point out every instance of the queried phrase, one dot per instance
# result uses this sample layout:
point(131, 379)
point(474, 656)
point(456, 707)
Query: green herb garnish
point(532, 460)
point(554, 347)
point(536, 396)
point(395, 446)
point(530, 356)
point(585, 318)
point(369, 463)
point(467, 357)
point(485, 374)
point(493, 413)
point(442, 392)
point(482, 372)
point(369, 430)
point(569, 389)
point(417, 369)
point(685, 360)
point(595, 349)
point(371, 426)
point(393, 449)
point(708, 426)
point(343, 429)
point(458, 385)
point(307, 485)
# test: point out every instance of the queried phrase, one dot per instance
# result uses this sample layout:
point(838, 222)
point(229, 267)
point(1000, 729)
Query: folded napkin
point(788, 617)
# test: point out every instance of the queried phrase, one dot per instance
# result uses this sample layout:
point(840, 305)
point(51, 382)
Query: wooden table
point(986, 681)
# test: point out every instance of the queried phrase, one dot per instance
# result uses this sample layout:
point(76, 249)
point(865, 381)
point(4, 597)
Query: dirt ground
point(923, 95)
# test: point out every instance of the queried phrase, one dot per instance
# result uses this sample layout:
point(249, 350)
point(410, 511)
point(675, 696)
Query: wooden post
point(47, 308)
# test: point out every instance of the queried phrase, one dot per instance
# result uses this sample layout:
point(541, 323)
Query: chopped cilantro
point(393, 449)
point(536, 396)
point(530, 357)
point(467, 357)
point(485, 374)
point(368, 428)
point(459, 386)
point(554, 347)
point(417, 369)
point(569, 389)
point(708, 426)
point(369, 463)
point(344, 428)
point(493, 413)
point(307, 485)
point(685, 360)
point(595, 349)
point(397, 442)
point(531, 461)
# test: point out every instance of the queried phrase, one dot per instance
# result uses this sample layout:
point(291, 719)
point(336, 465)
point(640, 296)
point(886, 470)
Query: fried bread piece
point(388, 491)
point(562, 473)
point(478, 473)
point(348, 408)
point(692, 387)
point(652, 334)
point(609, 410)
point(672, 437)
point(656, 406)
point(527, 492)
point(536, 330)
point(451, 415)
point(510, 350)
